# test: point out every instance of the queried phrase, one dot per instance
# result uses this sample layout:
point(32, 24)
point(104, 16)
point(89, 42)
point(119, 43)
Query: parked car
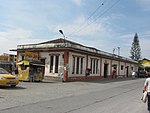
point(141, 74)
point(6, 79)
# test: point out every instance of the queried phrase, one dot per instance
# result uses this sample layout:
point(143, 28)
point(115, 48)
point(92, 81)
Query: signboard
point(4, 58)
point(31, 55)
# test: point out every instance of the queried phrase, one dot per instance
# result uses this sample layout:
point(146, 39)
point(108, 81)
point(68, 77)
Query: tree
point(135, 49)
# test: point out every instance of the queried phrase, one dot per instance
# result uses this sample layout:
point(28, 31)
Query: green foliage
point(135, 49)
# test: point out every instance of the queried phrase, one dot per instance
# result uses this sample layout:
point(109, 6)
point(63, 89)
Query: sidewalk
point(104, 80)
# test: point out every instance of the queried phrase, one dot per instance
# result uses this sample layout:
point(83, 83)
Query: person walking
point(114, 73)
point(147, 88)
point(133, 74)
point(31, 74)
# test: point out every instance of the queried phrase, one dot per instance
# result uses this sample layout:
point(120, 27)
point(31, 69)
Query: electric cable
point(89, 16)
point(79, 30)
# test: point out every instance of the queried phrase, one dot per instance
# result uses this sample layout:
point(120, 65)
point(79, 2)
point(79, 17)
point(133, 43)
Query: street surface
point(113, 96)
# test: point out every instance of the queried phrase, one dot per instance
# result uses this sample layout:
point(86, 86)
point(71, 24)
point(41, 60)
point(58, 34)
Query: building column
point(86, 61)
point(100, 68)
point(54, 63)
point(111, 74)
point(118, 68)
point(66, 65)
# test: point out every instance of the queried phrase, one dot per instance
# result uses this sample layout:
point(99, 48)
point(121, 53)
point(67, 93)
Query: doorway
point(127, 71)
point(105, 70)
point(43, 69)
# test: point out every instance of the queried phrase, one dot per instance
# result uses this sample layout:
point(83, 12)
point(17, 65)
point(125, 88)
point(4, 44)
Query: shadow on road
point(12, 88)
point(103, 81)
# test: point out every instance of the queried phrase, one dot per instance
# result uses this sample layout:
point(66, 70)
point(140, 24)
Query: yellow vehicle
point(6, 79)
point(30, 71)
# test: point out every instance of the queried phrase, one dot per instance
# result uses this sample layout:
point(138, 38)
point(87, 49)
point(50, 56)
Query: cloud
point(12, 37)
point(78, 2)
point(144, 4)
point(144, 48)
point(144, 41)
point(145, 34)
point(17, 33)
point(80, 28)
point(90, 33)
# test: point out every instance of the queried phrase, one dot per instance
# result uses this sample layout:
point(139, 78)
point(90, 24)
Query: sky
point(102, 24)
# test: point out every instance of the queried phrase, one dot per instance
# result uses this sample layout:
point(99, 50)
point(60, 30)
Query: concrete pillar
point(66, 64)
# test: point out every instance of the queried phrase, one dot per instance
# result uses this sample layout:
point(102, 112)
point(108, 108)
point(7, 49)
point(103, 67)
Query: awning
point(20, 63)
point(38, 64)
point(23, 62)
point(146, 65)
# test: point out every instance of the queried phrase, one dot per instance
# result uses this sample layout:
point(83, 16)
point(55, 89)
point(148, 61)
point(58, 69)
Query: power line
point(79, 30)
point(107, 10)
point(90, 16)
point(96, 9)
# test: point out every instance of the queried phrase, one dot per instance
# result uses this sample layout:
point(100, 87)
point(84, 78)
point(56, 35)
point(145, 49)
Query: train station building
point(72, 61)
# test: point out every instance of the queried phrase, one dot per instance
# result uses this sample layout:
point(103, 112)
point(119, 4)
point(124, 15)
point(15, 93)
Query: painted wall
point(116, 63)
point(122, 71)
point(89, 64)
point(46, 55)
point(71, 54)
point(20, 55)
point(103, 63)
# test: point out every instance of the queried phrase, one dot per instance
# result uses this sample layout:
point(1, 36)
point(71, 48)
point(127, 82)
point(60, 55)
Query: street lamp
point(64, 41)
point(62, 33)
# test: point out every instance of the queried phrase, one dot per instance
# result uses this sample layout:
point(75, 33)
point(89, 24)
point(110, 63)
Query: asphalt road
point(115, 96)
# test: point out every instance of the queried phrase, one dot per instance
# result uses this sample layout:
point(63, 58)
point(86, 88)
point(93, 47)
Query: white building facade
point(73, 61)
